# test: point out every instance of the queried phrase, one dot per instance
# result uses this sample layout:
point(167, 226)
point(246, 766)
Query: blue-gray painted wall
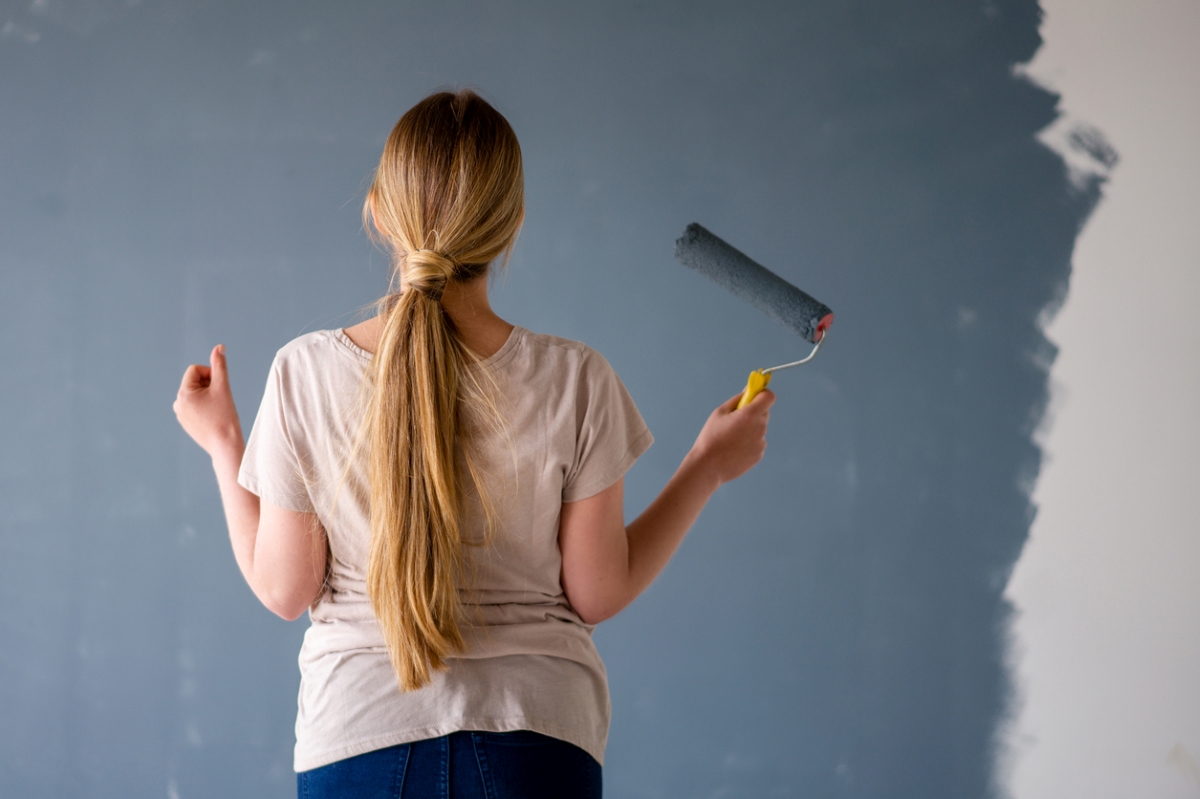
point(174, 174)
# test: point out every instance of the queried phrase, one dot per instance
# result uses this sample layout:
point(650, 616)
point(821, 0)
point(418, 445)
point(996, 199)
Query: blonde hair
point(447, 199)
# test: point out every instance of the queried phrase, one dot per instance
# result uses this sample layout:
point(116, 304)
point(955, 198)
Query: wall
point(1105, 645)
point(177, 174)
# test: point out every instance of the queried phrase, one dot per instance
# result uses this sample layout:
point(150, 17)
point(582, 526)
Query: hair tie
point(427, 271)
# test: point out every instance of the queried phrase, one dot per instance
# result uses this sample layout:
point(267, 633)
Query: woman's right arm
point(280, 552)
point(607, 564)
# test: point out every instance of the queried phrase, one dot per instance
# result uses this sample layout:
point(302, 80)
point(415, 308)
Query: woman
point(442, 491)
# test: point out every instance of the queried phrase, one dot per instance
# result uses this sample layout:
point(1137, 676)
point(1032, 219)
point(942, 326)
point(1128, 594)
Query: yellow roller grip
point(757, 382)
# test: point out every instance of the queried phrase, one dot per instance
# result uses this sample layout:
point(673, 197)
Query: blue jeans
point(462, 765)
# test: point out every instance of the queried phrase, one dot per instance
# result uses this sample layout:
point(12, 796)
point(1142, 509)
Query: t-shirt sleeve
point(272, 467)
point(611, 434)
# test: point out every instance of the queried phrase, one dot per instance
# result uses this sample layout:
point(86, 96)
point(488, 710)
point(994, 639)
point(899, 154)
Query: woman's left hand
point(204, 406)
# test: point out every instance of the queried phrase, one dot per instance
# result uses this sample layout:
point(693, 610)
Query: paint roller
point(699, 249)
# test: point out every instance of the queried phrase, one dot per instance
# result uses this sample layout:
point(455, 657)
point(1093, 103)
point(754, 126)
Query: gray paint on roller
point(729, 267)
point(176, 174)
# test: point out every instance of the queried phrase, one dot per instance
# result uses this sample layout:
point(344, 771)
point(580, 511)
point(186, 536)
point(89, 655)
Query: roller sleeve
point(704, 252)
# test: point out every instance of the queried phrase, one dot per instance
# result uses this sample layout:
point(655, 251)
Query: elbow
point(289, 613)
point(596, 611)
point(288, 606)
point(588, 616)
point(594, 618)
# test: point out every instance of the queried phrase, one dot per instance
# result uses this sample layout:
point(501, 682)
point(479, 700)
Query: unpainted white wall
point(1106, 644)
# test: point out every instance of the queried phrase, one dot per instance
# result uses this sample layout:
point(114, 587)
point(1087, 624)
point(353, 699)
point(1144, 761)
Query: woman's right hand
point(733, 440)
point(204, 406)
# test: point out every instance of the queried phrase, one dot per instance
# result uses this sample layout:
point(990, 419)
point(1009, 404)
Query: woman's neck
point(467, 306)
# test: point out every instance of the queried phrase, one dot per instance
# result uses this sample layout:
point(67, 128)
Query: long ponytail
point(448, 199)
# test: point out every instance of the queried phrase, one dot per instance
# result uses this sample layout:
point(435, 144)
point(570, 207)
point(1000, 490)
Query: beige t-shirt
point(530, 664)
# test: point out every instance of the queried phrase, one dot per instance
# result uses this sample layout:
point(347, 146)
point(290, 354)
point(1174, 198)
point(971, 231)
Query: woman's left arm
point(281, 552)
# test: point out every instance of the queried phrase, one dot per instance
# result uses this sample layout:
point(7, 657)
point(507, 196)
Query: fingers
point(730, 405)
point(199, 376)
point(220, 369)
point(762, 401)
point(196, 377)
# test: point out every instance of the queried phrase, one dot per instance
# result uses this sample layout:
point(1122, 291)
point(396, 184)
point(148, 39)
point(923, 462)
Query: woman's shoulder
point(559, 351)
point(318, 346)
point(313, 373)
point(565, 347)
point(554, 359)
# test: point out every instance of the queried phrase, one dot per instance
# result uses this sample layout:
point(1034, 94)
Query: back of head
point(447, 199)
point(448, 195)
